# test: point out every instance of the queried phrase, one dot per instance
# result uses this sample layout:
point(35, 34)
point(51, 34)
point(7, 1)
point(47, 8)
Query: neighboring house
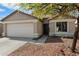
point(1, 28)
point(20, 24)
point(62, 26)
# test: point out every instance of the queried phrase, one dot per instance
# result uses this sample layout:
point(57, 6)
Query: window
point(61, 26)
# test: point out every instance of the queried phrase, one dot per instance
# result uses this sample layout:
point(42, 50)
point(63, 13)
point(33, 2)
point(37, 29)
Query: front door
point(46, 27)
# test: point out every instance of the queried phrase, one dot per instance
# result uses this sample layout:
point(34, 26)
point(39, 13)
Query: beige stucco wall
point(51, 28)
point(38, 29)
point(17, 16)
point(1, 29)
point(71, 27)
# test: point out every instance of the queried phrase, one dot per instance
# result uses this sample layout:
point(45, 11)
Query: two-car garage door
point(20, 29)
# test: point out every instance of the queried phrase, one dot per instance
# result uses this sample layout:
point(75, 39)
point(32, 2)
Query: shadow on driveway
point(44, 39)
point(29, 40)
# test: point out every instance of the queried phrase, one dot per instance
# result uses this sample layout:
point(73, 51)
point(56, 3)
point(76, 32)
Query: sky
point(6, 8)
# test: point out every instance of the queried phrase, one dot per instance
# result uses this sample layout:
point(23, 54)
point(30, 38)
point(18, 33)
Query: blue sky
point(4, 10)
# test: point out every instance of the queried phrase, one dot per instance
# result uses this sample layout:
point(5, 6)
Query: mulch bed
point(54, 46)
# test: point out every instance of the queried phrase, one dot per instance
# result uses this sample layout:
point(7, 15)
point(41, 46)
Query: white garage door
point(20, 30)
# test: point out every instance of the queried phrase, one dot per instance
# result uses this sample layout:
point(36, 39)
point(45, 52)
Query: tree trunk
point(75, 33)
point(75, 40)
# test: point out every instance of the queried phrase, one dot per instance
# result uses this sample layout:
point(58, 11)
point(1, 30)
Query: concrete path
point(8, 45)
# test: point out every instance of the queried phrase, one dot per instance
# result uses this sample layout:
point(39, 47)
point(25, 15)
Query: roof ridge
point(20, 11)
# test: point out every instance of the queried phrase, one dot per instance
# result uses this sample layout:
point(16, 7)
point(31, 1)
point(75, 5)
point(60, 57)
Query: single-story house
point(62, 26)
point(20, 24)
point(1, 28)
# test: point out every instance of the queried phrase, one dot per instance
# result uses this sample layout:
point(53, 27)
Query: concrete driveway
point(8, 45)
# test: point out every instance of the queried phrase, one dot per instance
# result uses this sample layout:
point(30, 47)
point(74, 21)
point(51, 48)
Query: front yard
point(54, 46)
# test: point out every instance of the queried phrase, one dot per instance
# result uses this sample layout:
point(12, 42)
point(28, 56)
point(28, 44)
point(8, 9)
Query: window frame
point(62, 26)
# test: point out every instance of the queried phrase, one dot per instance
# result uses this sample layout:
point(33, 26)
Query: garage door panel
point(20, 30)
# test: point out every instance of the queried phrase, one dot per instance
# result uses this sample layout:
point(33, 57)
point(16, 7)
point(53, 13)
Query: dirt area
point(54, 46)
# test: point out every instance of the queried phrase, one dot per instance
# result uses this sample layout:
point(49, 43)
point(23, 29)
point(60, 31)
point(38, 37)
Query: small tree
point(76, 33)
point(55, 10)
